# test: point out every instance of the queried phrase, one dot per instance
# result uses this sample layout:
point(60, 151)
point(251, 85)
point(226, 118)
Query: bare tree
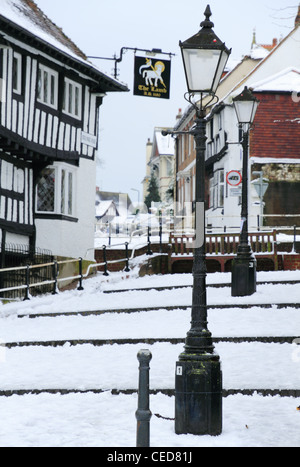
point(284, 14)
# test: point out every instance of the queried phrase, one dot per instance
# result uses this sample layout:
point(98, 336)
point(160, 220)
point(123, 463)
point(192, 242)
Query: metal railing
point(26, 273)
point(262, 242)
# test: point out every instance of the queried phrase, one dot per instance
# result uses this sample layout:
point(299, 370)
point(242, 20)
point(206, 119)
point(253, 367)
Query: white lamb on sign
point(154, 73)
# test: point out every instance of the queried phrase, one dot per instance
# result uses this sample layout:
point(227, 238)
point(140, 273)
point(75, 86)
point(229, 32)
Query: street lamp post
point(243, 281)
point(198, 384)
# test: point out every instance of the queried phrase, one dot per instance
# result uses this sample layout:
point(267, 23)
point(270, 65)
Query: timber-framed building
point(49, 115)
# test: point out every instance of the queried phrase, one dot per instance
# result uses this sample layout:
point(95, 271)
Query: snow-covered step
point(141, 309)
point(217, 285)
point(85, 367)
point(235, 322)
point(173, 280)
point(83, 301)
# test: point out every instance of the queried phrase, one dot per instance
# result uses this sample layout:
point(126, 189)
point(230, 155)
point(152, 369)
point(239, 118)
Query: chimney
point(254, 39)
point(275, 42)
point(179, 115)
point(297, 20)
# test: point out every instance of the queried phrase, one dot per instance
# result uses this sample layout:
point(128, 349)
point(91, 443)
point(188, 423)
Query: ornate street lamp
point(204, 58)
point(198, 385)
point(245, 105)
point(243, 281)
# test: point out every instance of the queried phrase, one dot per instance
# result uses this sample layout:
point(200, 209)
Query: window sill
point(53, 216)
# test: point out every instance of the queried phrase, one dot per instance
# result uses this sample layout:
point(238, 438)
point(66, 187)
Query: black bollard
point(149, 252)
point(81, 275)
point(55, 274)
point(27, 283)
point(160, 232)
point(127, 258)
point(105, 261)
point(143, 413)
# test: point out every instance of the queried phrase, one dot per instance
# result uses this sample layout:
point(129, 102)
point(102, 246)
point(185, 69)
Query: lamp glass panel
point(222, 63)
point(200, 68)
point(245, 111)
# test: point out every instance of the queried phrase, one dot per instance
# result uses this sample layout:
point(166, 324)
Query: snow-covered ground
point(108, 420)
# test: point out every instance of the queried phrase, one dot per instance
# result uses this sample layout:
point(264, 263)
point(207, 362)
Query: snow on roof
point(28, 16)
point(287, 80)
point(165, 144)
point(103, 207)
point(273, 160)
point(259, 52)
point(232, 64)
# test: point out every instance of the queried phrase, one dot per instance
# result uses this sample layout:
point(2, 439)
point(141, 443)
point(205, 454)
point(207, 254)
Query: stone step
point(149, 341)
point(219, 285)
point(245, 366)
point(295, 393)
point(163, 307)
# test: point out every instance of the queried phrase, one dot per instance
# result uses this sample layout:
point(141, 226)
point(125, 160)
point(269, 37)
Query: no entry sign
point(234, 178)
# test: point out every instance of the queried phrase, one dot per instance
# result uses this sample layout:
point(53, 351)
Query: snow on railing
point(218, 243)
point(27, 285)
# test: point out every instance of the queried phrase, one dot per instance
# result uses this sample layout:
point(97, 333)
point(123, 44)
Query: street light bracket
point(199, 107)
point(117, 60)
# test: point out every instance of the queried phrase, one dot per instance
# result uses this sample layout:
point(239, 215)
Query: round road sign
point(234, 178)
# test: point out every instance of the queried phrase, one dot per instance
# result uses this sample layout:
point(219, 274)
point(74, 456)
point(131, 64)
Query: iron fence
point(15, 260)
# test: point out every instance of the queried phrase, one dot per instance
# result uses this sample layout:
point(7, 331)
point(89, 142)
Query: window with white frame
point(45, 191)
point(47, 86)
point(72, 98)
point(17, 73)
point(220, 119)
point(221, 188)
point(55, 191)
point(211, 192)
point(169, 168)
point(216, 190)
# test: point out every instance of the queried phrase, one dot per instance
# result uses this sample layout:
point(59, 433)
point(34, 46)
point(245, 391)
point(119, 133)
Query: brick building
point(274, 153)
point(275, 146)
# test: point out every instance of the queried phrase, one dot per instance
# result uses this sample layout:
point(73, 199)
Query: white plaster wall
point(16, 239)
point(230, 215)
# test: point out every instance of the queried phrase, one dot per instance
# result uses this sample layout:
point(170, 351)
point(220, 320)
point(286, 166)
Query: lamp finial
point(207, 23)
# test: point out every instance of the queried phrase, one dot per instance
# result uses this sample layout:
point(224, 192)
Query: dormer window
point(47, 87)
point(17, 73)
point(72, 98)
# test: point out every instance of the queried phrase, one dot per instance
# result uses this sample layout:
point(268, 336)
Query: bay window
point(55, 191)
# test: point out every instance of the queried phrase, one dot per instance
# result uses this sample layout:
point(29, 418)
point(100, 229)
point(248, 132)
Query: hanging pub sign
point(152, 77)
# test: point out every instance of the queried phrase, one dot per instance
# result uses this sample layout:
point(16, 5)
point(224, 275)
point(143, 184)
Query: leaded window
point(46, 191)
point(55, 191)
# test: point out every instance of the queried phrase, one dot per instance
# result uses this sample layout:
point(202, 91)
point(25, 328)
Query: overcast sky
point(102, 28)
